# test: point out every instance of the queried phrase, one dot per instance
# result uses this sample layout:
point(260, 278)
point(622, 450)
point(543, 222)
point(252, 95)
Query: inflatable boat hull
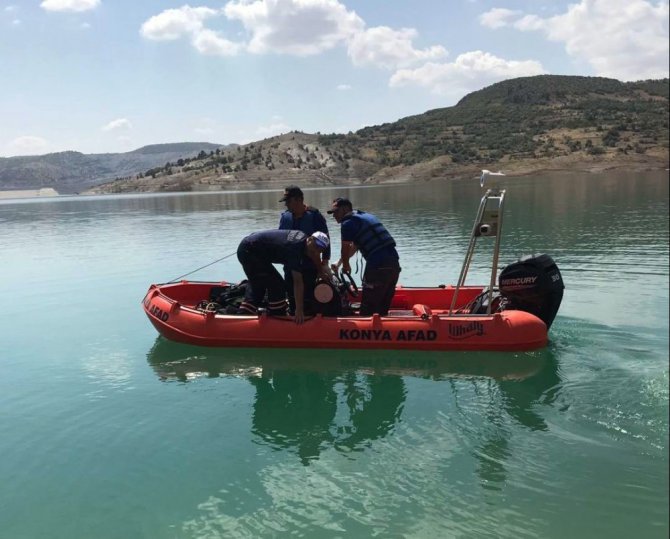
point(418, 320)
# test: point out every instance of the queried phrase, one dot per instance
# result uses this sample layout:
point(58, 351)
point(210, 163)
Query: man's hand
point(348, 250)
point(324, 272)
point(299, 294)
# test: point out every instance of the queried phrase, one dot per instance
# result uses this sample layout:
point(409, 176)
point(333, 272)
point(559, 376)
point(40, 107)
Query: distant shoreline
point(45, 192)
point(440, 168)
point(518, 168)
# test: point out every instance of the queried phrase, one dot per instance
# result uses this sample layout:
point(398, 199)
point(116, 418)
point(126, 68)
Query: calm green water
point(110, 432)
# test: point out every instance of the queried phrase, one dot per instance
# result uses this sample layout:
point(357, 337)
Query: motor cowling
point(533, 284)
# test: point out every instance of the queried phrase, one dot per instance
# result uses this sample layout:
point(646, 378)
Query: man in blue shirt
point(258, 251)
point(362, 231)
point(307, 219)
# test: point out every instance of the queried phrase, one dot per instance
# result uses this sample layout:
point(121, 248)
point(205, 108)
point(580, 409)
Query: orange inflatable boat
point(512, 315)
point(419, 319)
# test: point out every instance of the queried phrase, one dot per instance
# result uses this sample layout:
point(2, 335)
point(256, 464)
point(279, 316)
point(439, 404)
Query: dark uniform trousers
point(379, 288)
point(263, 279)
point(309, 276)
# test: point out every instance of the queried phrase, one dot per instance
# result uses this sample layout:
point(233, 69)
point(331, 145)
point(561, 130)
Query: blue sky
point(113, 75)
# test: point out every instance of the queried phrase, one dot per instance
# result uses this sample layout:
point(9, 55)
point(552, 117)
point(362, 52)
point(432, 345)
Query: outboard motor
point(533, 284)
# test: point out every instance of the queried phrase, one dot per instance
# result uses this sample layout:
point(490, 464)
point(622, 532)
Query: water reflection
point(543, 387)
point(310, 400)
point(295, 409)
point(180, 362)
point(517, 401)
point(298, 409)
point(374, 405)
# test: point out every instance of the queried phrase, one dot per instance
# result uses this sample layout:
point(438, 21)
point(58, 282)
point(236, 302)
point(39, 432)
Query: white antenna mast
point(485, 175)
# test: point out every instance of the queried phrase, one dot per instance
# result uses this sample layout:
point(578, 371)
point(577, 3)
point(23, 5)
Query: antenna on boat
point(488, 223)
point(485, 176)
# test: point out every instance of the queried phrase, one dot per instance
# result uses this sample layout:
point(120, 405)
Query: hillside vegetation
point(520, 125)
point(534, 117)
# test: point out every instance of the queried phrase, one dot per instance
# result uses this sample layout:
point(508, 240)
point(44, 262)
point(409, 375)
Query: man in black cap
point(362, 231)
point(258, 251)
point(307, 219)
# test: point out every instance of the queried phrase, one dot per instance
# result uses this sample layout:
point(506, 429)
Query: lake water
point(108, 431)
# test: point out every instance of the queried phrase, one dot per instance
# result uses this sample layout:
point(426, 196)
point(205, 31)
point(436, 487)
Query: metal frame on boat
point(488, 222)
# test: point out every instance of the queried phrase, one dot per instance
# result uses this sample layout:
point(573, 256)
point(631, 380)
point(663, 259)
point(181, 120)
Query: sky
point(100, 76)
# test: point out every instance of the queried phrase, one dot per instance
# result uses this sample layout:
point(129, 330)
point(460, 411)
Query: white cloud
point(187, 21)
point(497, 17)
point(470, 71)
point(310, 27)
point(28, 145)
point(624, 39)
point(16, 22)
point(10, 9)
point(294, 27)
point(343, 87)
point(299, 27)
point(209, 42)
point(84, 26)
point(175, 23)
point(529, 22)
point(119, 123)
point(69, 5)
point(384, 47)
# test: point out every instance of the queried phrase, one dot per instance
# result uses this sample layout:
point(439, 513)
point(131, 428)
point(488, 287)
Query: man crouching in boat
point(258, 251)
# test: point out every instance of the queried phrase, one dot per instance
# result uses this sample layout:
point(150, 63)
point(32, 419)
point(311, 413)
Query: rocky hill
point(520, 125)
point(69, 172)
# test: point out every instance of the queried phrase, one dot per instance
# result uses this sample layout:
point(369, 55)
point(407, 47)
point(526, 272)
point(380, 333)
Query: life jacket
point(372, 235)
point(308, 222)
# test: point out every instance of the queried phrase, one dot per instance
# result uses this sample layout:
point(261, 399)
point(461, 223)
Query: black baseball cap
point(339, 202)
point(291, 191)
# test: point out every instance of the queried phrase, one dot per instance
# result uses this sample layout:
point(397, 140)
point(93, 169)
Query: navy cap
point(339, 202)
point(292, 191)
